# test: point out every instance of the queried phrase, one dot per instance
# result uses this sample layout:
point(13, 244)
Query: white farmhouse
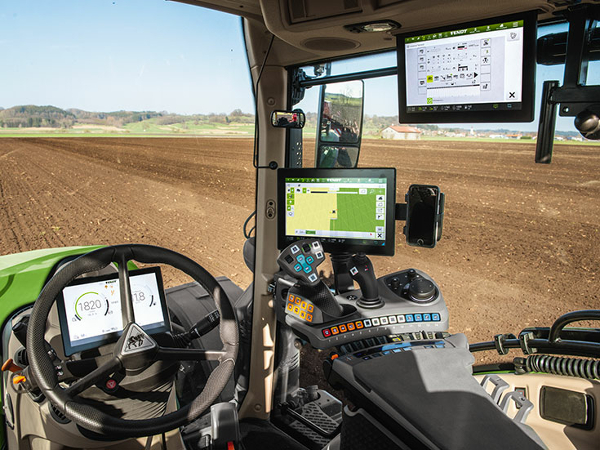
point(402, 132)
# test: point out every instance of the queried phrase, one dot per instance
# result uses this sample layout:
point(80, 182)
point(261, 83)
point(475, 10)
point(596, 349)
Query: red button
point(326, 332)
point(111, 384)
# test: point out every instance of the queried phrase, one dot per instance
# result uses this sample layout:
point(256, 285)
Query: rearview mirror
point(424, 215)
point(340, 124)
point(288, 119)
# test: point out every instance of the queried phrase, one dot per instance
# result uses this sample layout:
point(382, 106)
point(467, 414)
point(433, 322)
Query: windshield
point(520, 240)
point(126, 122)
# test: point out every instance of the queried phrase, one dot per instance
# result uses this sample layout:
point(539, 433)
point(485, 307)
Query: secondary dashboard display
point(90, 308)
point(340, 208)
point(474, 68)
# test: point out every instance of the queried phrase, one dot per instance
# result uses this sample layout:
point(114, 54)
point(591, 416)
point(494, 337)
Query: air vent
point(309, 10)
point(58, 416)
point(330, 44)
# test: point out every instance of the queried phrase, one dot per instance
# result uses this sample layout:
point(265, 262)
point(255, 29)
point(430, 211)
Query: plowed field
point(521, 242)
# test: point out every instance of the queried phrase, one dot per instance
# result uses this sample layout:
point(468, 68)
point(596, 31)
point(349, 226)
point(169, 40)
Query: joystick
point(362, 272)
point(421, 290)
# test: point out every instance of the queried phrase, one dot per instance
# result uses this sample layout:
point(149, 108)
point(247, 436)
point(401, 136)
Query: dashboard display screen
point(344, 208)
point(90, 314)
point(473, 68)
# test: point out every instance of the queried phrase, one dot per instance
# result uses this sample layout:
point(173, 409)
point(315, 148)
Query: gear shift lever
point(362, 272)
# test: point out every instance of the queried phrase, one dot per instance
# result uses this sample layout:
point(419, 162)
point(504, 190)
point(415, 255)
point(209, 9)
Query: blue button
point(310, 260)
point(409, 318)
point(307, 269)
point(300, 258)
point(297, 267)
point(397, 350)
point(418, 318)
point(426, 317)
point(435, 317)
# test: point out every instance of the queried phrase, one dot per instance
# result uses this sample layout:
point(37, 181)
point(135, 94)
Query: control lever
point(362, 272)
point(199, 329)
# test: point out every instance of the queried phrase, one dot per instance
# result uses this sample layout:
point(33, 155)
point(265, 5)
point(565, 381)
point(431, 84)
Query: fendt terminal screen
point(481, 69)
point(90, 309)
point(344, 208)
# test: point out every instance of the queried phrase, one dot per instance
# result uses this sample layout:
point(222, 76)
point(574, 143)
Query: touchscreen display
point(476, 72)
point(90, 308)
point(338, 208)
point(347, 209)
point(477, 68)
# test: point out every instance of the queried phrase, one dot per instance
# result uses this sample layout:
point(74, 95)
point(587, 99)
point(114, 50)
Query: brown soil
point(520, 244)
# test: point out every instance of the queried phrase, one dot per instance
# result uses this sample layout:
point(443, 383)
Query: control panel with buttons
point(399, 314)
point(301, 260)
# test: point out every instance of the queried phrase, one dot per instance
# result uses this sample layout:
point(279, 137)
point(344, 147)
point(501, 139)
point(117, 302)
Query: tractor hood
point(22, 275)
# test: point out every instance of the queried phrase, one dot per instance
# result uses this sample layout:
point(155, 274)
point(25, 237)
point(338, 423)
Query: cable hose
point(558, 365)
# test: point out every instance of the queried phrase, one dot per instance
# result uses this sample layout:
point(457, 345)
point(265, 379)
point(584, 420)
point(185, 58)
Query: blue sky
point(105, 55)
point(102, 55)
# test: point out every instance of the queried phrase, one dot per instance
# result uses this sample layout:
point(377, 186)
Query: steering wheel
point(135, 350)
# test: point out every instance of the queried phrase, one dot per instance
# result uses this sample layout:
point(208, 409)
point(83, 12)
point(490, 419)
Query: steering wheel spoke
point(125, 291)
point(188, 354)
point(106, 369)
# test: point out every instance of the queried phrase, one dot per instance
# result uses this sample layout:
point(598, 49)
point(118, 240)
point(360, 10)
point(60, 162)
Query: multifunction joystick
point(362, 272)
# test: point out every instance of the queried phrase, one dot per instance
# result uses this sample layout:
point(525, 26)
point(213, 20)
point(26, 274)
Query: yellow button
point(296, 310)
point(19, 379)
point(359, 324)
point(303, 314)
point(310, 308)
point(298, 300)
point(303, 306)
point(290, 307)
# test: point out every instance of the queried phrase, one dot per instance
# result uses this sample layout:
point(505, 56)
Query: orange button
point(350, 327)
point(303, 306)
point(310, 308)
point(309, 317)
point(298, 300)
point(334, 330)
point(359, 324)
point(19, 379)
point(343, 328)
point(290, 307)
point(291, 298)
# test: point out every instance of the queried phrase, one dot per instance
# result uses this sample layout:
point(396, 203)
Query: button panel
point(300, 308)
point(349, 327)
point(301, 259)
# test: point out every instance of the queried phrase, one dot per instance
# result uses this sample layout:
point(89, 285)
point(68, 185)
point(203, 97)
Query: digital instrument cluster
point(90, 309)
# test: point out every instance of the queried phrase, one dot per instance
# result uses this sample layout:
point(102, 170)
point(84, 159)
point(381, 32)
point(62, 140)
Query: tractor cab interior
point(100, 355)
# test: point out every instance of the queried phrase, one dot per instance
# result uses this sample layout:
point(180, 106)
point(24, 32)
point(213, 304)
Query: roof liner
point(314, 29)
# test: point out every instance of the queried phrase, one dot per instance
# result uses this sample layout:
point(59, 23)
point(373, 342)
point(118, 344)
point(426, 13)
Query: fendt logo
point(458, 32)
point(135, 342)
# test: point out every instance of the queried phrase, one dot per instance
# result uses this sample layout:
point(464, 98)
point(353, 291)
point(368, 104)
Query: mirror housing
point(424, 215)
point(339, 130)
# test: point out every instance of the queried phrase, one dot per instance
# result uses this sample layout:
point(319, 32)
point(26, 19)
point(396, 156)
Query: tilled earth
point(520, 242)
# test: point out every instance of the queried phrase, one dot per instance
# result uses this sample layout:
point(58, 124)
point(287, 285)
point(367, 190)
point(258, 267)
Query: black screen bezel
point(70, 349)
point(525, 114)
point(348, 245)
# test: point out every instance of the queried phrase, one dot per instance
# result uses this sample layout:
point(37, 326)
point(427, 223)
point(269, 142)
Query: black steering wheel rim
point(90, 418)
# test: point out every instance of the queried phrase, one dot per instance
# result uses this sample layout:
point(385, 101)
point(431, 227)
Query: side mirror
point(424, 215)
point(340, 124)
point(288, 119)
